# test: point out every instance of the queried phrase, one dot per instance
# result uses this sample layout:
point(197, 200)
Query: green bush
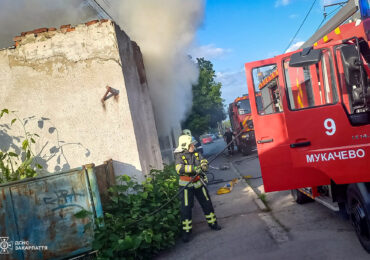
point(120, 236)
point(17, 166)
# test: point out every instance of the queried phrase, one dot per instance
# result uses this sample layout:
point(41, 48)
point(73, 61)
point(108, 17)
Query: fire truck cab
point(241, 120)
point(313, 128)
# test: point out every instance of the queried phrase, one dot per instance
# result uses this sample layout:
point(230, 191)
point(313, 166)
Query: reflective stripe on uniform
point(188, 168)
point(184, 183)
point(187, 225)
point(178, 168)
point(197, 184)
point(211, 218)
point(186, 197)
point(196, 156)
point(184, 159)
point(205, 193)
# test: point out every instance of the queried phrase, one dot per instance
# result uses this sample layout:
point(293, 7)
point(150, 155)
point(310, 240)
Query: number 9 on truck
point(329, 125)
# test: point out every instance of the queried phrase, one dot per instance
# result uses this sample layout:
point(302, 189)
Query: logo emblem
point(5, 245)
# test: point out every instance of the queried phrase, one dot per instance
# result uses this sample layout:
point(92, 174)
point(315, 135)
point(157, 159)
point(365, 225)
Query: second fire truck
point(241, 120)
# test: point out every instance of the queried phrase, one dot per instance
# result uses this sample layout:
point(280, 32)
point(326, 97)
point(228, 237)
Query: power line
point(304, 20)
point(101, 8)
point(327, 15)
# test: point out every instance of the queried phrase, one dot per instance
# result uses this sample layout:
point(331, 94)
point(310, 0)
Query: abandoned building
point(83, 89)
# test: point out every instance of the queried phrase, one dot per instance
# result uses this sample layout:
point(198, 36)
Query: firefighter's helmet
point(186, 132)
point(184, 142)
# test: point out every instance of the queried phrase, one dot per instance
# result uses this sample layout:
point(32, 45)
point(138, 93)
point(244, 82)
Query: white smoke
point(18, 16)
point(164, 30)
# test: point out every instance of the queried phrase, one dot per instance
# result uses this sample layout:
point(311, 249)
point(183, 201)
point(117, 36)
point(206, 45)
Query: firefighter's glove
point(198, 170)
point(204, 165)
point(205, 178)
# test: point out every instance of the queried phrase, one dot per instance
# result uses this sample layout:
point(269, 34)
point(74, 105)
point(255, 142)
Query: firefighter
point(186, 132)
point(228, 137)
point(188, 164)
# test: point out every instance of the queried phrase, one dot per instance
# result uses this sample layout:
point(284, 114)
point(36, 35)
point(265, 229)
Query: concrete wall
point(169, 143)
point(58, 78)
point(140, 102)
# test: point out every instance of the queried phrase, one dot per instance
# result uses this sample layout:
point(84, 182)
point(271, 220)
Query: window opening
point(311, 86)
point(267, 93)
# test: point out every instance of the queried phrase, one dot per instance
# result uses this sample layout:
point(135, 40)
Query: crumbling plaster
point(61, 75)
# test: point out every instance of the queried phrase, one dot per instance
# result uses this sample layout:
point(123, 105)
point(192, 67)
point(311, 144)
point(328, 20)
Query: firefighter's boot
point(185, 237)
point(215, 226)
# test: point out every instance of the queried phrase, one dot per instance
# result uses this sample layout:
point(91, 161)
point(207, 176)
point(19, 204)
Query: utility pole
point(339, 18)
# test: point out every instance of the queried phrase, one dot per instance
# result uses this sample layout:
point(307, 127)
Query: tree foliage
point(207, 107)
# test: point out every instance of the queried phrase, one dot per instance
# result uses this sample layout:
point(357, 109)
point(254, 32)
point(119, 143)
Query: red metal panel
point(271, 137)
point(338, 151)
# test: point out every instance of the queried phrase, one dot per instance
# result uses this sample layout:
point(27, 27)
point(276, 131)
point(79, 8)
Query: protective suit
point(188, 164)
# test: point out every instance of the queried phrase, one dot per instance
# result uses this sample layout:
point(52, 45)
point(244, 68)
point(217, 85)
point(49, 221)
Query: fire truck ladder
point(339, 18)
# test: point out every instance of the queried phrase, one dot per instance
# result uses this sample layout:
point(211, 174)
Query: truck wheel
point(244, 150)
point(359, 217)
point(299, 197)
point(343, 211)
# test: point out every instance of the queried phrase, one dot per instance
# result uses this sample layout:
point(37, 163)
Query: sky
point(239, 31)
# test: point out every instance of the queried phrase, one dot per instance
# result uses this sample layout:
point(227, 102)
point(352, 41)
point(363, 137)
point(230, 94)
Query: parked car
point(214, 136)
point(206, 139)
point(198, 145)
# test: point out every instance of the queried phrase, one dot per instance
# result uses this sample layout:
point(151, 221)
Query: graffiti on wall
point(63, 198)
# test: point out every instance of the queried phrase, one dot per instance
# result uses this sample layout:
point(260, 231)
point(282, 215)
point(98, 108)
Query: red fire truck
point(241, 120)
point(313, 127)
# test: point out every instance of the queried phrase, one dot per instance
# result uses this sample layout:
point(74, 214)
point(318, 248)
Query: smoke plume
point(18, 16)
point(164, 30)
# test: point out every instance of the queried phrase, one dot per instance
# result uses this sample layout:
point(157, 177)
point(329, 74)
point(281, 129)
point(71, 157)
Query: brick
point(40, 30)
point(65, 26)
point(16, 44)
point(91, 22)
point(71, 29)
point(26, 33)
point(17, 38)
point(104, 20)
point(52, 29)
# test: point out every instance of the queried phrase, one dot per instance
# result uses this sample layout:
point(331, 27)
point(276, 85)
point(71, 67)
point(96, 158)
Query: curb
point(255, 195)
point(276, 230)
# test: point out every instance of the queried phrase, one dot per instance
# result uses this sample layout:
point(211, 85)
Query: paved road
point(288, 231)
point(213, 148)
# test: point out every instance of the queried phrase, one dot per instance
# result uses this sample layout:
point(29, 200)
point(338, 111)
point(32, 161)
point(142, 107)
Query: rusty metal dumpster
point(37, 215)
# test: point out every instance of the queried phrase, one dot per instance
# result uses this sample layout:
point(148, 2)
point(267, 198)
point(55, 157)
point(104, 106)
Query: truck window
point(231, 114)
point(350, 66)
point(311, 86)
point(244, 107)
point(259, 102)
point(267, 93)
